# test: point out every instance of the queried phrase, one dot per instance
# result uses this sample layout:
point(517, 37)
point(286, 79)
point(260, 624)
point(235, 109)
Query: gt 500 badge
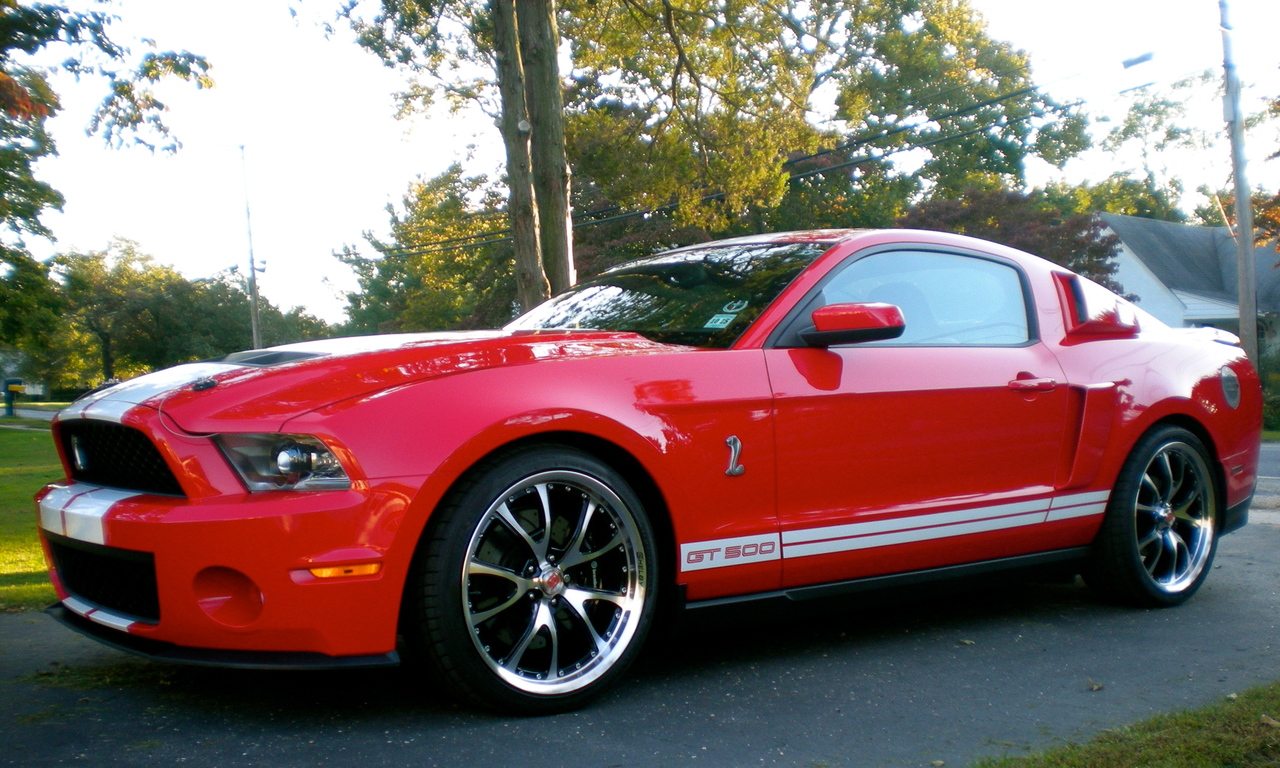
point(720, 553)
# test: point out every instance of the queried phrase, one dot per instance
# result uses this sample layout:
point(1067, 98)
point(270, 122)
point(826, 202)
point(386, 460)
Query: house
point(1186, 275)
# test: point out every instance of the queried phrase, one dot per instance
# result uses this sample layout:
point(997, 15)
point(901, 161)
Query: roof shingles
point(1199, 260)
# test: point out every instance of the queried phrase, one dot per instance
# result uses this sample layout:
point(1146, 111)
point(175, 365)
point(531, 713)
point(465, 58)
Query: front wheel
point(1157, 540)
point(536, 587)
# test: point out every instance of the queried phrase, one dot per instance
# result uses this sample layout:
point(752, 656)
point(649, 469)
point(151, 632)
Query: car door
point(936, 448)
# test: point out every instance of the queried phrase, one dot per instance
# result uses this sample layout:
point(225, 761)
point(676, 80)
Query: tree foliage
point(1118, 193)
point(29, 300)
point(131, 110)
point(1221, 209)
point(432, 274)
point(514, 44)
point(30, 33)
point(706, 113)
point(705, 104)
point(117, 313)
point(1029, 222)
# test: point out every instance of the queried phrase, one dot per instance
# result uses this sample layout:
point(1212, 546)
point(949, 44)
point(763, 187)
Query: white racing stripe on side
point(918, 534)
point(910, 522)
point(1078, 505)
point(77, 510)
point(1079, 510)
point(1081, 498)
point(899, 530)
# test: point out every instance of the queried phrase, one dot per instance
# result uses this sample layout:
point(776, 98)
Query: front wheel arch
point(430, 586)
point(1158, 537)
point(622, 461)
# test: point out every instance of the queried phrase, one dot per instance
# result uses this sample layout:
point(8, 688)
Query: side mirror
point(853, 323)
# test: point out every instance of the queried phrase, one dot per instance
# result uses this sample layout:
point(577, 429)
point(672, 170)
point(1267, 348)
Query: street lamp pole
point(254, 324)
point(1247, 278)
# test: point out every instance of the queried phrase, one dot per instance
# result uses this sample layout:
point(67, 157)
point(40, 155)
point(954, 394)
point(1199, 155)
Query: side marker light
point(343, 571)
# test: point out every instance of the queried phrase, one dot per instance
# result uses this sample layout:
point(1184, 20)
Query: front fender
point(673, 413)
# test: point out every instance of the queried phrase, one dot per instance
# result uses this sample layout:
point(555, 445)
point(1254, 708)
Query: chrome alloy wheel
point(1174, 517)
point(554, 582)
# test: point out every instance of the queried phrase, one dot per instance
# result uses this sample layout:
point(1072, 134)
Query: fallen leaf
point(966, 642)
point(1095, 686)
point(1271, 721)
point(937, 763)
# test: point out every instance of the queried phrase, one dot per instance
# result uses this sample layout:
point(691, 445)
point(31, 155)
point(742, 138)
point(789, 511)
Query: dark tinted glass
point(704, 297)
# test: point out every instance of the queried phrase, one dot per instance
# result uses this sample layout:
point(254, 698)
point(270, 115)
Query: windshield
point(703, 297)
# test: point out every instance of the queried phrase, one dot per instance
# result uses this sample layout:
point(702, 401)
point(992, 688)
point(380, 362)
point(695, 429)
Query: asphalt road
point(985, 672)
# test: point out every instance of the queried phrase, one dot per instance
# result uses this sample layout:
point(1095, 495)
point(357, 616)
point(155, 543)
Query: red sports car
point(782, 416)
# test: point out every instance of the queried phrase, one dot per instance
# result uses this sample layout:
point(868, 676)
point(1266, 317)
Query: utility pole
point(1247, 278)
point(254, 324)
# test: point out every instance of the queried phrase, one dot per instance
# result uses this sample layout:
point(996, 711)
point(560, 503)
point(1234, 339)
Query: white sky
point(325, 155)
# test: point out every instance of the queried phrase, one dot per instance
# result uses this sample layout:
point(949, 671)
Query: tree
point(1154, 124)
point(141, 316)
point(107, 294)
point(1152, 139)
point(1221, 210)
point(1119, 193)
point(518, 42)
point(1029, 222)
point(437, 272)
point(29, 301)
point(699, 106)
point(709, 105)
point(130, 111)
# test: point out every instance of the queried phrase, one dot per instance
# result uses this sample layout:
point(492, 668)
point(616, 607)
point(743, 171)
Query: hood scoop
point(265, 358)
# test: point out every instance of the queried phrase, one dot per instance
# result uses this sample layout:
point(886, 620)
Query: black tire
point(536, 585)
point(1158, 538)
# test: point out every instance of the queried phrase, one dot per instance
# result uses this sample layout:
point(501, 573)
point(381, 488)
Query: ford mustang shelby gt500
point(777, 416)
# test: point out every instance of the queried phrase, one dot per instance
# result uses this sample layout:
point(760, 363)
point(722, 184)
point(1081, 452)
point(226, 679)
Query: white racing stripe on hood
point(112, 403)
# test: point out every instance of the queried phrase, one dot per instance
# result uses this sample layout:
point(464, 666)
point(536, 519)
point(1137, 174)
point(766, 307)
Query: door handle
point(1033, 385)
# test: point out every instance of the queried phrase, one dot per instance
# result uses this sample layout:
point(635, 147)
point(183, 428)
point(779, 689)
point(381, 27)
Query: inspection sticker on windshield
point(719, 321)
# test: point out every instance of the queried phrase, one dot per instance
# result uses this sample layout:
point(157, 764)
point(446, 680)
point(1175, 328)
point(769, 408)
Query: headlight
point(284, 462)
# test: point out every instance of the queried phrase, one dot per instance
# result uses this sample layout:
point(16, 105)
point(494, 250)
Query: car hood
point(259, 390)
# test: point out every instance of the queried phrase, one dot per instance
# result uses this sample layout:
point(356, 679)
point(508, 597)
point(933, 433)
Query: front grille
point(116, 456)
point(120, 580)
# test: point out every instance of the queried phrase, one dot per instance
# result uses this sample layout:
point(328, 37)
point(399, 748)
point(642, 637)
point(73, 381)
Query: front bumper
point(232, 575)
point(162, 651)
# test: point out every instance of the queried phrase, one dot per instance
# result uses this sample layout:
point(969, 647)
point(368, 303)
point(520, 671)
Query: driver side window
point(946, 299)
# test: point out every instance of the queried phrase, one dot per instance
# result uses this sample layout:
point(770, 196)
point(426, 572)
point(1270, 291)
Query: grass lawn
point(28, 460)
point(41, 406)
point(1242, 731)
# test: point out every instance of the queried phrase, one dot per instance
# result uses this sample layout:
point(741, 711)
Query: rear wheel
point(536, 587)
point(1158, 540)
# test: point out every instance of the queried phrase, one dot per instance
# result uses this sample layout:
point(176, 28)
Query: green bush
point(1269, 370)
